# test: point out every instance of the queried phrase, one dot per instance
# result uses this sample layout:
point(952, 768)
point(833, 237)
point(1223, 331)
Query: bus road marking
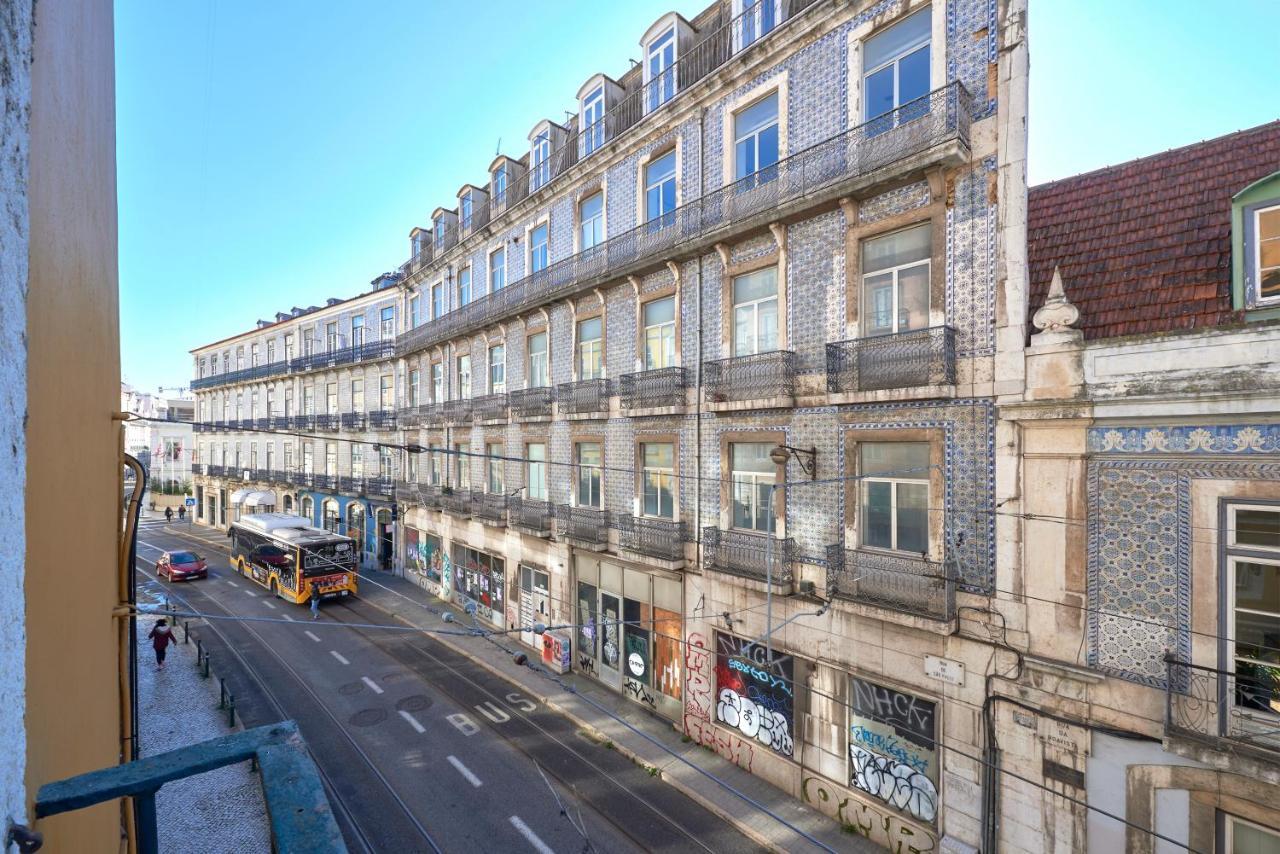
point(413, 722)
point(338, 656)
point(528, 834)
point(372, 685)
point(464, 771)
point(463, 724)
point(310, 635)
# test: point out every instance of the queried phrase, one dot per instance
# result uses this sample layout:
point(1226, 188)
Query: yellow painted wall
point(73, 492)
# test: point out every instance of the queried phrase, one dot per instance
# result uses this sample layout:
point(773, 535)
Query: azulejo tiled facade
point(1237, 439)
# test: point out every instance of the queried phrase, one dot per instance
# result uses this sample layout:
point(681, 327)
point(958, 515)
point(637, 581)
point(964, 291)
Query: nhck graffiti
point(755, 695)
point(892, 748)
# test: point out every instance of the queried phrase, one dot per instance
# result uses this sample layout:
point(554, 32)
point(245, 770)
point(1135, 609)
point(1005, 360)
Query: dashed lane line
point(413, 722)
point(338, 656)
point(527, 833)
point(373, 686)
point(464, 771)
point(310, 635)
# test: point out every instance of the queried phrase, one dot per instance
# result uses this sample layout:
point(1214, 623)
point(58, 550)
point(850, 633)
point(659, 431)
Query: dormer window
point(464, 211)
point(1266, 254)
point(437, 228)
point(500, 178)
point(592, 120)
point(540, 161)
point(753, 19)
point(896, 69)
point(1255, 246)
point(659, 70)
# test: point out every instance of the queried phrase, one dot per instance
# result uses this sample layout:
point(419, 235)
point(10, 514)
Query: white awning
point(239, 495)
point(262, 498)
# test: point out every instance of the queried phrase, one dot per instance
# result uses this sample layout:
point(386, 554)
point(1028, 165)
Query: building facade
point(163, 442)
point(1150, 542)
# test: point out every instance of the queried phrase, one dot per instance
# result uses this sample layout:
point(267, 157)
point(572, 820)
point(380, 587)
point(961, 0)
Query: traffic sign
point(190, 502)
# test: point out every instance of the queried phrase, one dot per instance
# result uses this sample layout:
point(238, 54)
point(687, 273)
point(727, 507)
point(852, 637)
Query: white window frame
point(494, 285)
point(657, 95)
point(864, 482)
point(357, 395)
point(464, 376)
point(470, 280)
point(596, 222)
point(1230, 820)
point(544, 224)
point(581, 469)
point(646, 186)
point(1235, 553)
point(536, 488)
point(895, 60)
point(497, 369)
point(437, 382)
point(415, 311)
point(411, 388)
point(755, 134)
point(592, 348)
point(495, 476)
point(386, 392)
point(500, 182)
point(748, 17)
point(357, 330)
point(755, 306)
point(540, 160)
point(544, 361)
point(387, 325)
point(864, 311)
point(739, 478)
point(591, 120)
point(665, 331)
point(437, 300)
point(462, 466)
point(1256, 252)
point(662, 473)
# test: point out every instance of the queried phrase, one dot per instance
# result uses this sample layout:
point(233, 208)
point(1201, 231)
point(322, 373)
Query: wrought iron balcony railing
point(279, 422)
point(408, 492)
point(304, 422)
point(262, 424)
point(456, 501)
point(408, 417)
point(490, 407)
point(530, 402)
point(922, 357)
point(585, 524)
point(663, 387)
point(382, 487)
point(898, 582)
point(489, 506)
point(353, 421)
point(584, 396)
point(430, 414)
point(327, 421)
point(750, 554)
point(261, 475)
point(212, 470)
point(457, 411)
point(763, 375)
point(326, 482)
point(372, 350)
point(531, 514)
point(201, 427)
point(660, 538)
point(305, 479)
point(1231, 712)
point(350, 484)
point(821, 170)
point(382, 419)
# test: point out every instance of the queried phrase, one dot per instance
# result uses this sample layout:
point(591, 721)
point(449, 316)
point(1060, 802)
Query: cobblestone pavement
point(222, 810)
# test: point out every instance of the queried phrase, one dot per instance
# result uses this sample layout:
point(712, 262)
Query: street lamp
point(807, 459)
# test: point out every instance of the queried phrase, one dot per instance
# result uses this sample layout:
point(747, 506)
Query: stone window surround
point(642, 164)
point(859, 34)
point(672, 439)
point(575, 440)
point(1210, 791)
point(642, 299)
point(731, 108)
point(853, 487)
point(580, 194)
point(456, 354)
point(531, 329)
point(577, 314)
point(535, 437)
point(742, 437)
point(543, 218)
point(776, 258)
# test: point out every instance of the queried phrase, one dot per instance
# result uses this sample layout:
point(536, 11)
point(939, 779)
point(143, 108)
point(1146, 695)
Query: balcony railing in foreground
point(660, 538)
point(584, 396)
point(756, 377)
point(585, 524)
point(1228, 711)
point(899, 582)
point(299, 812)
point(749, 554)
point(530, 402)
point(940, 117)
point(531, 514)
point(659, 388)
point(922, 357)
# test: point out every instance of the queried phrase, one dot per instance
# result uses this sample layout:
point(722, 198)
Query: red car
point(181, 566)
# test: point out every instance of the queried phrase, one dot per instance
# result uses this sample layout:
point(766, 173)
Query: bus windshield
point(326, 559)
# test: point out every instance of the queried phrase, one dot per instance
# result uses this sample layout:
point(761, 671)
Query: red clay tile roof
point(1146, 246)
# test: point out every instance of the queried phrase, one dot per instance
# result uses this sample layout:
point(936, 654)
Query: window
point(412, 390)
point(590, 461)
point(308, 342)
point(464, 377)
point(895, 495)
point(388, 330)
point(226, 363)
point(331, 458)
point(415, 311)
point(758, 18)
point(495, 481)
point(437, 382)
point(591, 218)
point(752, 474)
point(308, 459)
point(308, 401)
point(540, 160)
point(1267, 261)
point(253, 355)
point(412, 462)
point(538, 256)
point(537, 360)
point(288, 346)
point(463, 465)
point(271, 457)
point(357, 330)
point(271, 401)
point(755, 139)
point(1245, 837)
point(239, 358)
point(464, 286)
point(288, 456)
point(592, 121)
point(1253, 579)
point(895, 281)
point(253, 455)
point(437, 229)
point(660, 187)
point(657, 474)
point(590, 349)
point(357, 460)
point(330, 337)
point(288, 401)
point(385, 466)
point(434, 475)
point(896, 70)
point(271, 352)
point(500, 184)
point(357, 395)
point(386, 392)
point(755, 312)
point(464, 209)
point(497, 269)
point(659, 75)
point(331, 398)
point(659, 333)
point(536, 471)
point(497, 369)
point(437, 300)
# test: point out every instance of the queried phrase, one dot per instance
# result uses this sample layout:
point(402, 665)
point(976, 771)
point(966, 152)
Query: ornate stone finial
point(1057, 314)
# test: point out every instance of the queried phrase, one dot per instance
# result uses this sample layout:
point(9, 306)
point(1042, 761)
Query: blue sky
point(275, 154)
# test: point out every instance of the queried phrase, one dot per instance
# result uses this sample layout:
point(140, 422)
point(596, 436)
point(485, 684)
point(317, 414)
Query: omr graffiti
point(894, 783)
point(893, 753)
point(885, 828)
point(754, 695)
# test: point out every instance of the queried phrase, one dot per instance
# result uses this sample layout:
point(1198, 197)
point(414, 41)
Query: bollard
point(231, 711)
point(186, 632)
point(199, 652)
point(205, 674)
point(222, 693)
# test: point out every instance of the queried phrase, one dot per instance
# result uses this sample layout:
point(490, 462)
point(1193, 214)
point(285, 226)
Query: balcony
point(382, 419)
point(456, 502)
point(304, 422)
point(529, 403)
point(1222, 712)
point(350, 485)
point(408, 492)
point(929, 132)
point(201, 427)
point(457, 411)
point(489, 507)
point(898, 582)
point(354, 421)
point(490, 407)
point(749, 554)
point(260, 475)
point(408, 417)
point(325, 482)
point(585, 397)
point(262, 424)
point(663, 539)
point(658, 389)
point(531, 514)
point(372, 350)
point(379, 487)
point(304, 479)
point(586, 525)
point(430, 414)
point(327, 422)
point(923, 357)
point(763, 379)
point(279, 422)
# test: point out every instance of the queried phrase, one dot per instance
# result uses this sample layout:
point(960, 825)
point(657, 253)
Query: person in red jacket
point(161, 636)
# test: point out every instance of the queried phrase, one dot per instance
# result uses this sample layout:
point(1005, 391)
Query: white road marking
point(372, 685)
point(287, 617)
point(528, 834)
point(338, 656)
point(464, 771)
point(251, 593)
point(493, 713)
point(232, 583)
point(413, 722)
point(463, 724)
point(313, 637)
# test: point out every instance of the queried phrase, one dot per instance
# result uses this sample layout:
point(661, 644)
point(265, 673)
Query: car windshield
point(182, 557)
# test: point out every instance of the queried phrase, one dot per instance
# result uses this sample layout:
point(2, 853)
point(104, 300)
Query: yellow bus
point(270, 548)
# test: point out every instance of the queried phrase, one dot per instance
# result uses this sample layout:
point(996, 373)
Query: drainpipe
point(127, 592)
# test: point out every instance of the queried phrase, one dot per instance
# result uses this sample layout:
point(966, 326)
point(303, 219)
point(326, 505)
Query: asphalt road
point(420, 748)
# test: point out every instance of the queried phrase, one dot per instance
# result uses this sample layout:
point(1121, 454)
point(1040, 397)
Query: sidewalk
point(650, 740)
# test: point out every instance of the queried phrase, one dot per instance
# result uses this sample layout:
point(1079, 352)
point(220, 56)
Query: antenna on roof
point(497, 149)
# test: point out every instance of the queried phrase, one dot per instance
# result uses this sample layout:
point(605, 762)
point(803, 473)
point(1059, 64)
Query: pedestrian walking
point(315, 604)
point(161, 636)
point(182, 513)
point(168, 514)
